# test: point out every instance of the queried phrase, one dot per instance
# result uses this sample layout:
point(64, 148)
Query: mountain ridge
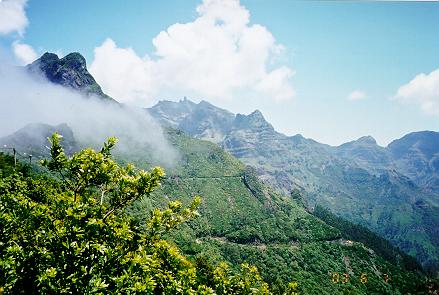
point(358, 180)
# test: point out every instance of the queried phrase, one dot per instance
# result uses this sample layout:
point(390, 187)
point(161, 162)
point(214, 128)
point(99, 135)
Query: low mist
point(25, 99)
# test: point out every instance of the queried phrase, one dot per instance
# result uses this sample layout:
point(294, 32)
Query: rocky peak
point(69, 71)
point(171, 113)
point(49, 58)
point(298, 138)
point(362, 142)
point(201, 120)
point(76, 61)
point(365, 152)
point(204, 103)
point(257, 114)
point(183, 106)
point(253, 120)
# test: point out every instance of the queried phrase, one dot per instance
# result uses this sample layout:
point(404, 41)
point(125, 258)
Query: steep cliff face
point(70, 71)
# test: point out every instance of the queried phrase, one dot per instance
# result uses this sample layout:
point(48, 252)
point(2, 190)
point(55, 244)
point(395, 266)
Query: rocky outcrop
point(69, 71)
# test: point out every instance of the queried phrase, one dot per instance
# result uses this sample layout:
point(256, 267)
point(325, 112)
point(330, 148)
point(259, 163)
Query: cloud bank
point(423, 91)
point(217, 56)
point(12, 16)
point(30, 100)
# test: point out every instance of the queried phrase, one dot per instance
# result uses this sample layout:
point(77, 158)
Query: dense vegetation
point(242, 222)
point(361, 234)
point(72, 236)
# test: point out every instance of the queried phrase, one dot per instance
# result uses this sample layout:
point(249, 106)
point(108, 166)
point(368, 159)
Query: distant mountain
point(366, 153)
point(359, 180)
point(70, 71)
point(201, 120)
point(32, 139)
point(417, 156)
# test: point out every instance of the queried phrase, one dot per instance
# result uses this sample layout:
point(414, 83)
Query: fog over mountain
point(29, 97)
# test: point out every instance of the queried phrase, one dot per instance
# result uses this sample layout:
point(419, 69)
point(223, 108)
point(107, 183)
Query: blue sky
point(329, 50)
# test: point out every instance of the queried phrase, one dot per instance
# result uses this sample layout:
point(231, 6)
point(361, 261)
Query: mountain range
point(264, 194)
point(392, 190)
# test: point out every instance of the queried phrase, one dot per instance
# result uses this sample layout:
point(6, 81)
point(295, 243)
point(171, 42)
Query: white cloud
point(24, 53)
point(423, 90)
point(122, 74)
point(216, 56)
point(12, 16)
point(356, 95)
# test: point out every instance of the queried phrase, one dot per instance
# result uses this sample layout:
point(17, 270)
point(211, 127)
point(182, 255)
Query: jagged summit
point(69, 71)
point(257, 114)
point(48, 58)
point(253, 120)
point(360, 180)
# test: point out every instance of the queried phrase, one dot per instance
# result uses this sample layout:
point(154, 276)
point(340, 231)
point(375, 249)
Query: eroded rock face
point(70, 71)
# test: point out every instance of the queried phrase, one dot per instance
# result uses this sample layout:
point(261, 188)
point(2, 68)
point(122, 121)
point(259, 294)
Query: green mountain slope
point(242, 220)
point(358, 180)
